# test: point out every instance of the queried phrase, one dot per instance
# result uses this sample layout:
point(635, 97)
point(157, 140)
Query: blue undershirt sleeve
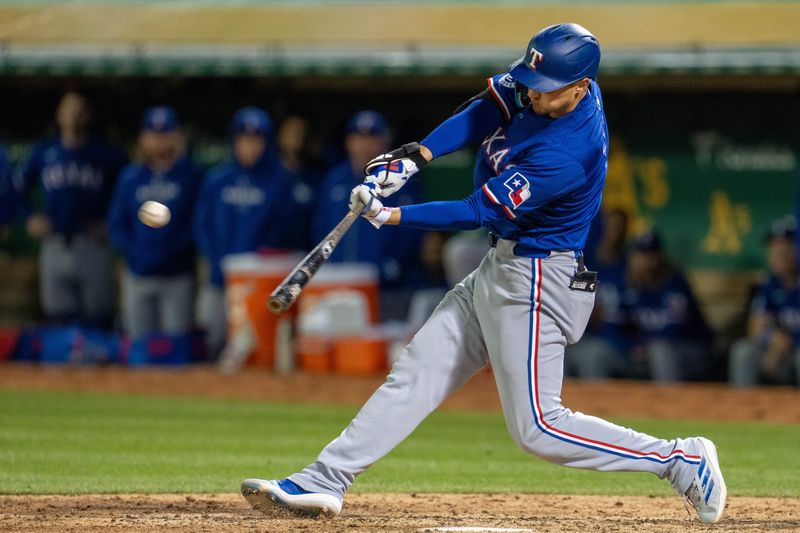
point(451, 215)
point(476, 121)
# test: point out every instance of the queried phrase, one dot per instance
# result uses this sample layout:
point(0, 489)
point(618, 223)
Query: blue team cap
point(783, 228)
point(160, 119)
point(649, 241)
point(557, 56)
point(252, 121)
point(368, 123)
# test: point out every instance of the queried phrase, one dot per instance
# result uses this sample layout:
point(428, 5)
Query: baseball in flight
point(154, 214)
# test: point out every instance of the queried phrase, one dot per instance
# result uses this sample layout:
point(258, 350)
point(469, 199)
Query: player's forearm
point(479, 119)
point(453, 215)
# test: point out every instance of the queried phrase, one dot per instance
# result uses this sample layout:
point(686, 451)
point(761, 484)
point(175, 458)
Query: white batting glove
point(391, 171)
point(364, 201)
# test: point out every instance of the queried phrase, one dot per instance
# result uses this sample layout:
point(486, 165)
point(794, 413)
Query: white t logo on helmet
point(536, 57)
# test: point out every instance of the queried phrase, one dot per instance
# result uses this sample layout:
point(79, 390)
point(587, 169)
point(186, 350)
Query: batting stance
point(538, 181)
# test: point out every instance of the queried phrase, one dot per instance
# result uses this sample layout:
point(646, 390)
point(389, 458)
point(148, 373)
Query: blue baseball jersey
point(8, 194)
point(546, 175)
point(242, 209)
point(392, 250)
point(77, 183)
point(782, 303)
point(538, 180)
point(668, 311)
point(155, 251)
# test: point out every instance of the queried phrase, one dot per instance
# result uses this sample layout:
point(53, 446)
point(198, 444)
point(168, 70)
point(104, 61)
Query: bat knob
point(276, 305)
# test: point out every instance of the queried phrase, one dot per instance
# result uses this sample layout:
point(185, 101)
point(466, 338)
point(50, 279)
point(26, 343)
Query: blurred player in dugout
point(394, 253)
point(299, 157)
point(158, 280)
point(670, 334)
point(245, 204)
point(8, 194)
point(771, 351)
point(604, 349)
point(76, 173)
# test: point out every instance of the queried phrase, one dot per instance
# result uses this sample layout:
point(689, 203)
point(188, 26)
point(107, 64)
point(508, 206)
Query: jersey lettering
point(495, 156)
point(498, 135)
point(158, 190)
point(72, 175)
point(243, 195)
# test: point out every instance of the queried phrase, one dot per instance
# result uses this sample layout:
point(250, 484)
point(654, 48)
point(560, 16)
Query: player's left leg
point(528, 314)
point(441, 357)
point(744, 363)
point(94, 267)
point(138, 312)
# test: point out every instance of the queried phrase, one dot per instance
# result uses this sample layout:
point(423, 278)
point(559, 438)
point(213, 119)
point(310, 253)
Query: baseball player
point(158, 281)
point(669, 331)
point(8, 192)
point(771, 350)
point(76, 173)
point(243, 205)
point(538, 178)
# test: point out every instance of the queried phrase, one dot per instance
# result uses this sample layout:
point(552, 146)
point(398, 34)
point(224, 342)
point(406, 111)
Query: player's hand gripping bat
point(290, 288)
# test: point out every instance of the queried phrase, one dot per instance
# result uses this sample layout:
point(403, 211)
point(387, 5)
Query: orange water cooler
point(251, 278)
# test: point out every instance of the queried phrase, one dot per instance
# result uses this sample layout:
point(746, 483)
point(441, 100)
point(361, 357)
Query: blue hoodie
point(155, 251)
point(77, 183)
point(242, 209)
point(8, 195)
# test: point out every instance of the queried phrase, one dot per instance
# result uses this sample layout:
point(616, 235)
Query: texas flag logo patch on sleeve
point(518, 189)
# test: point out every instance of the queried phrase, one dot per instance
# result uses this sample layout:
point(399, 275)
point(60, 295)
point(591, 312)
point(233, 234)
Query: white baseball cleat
point(273, 496)
point(707, 492)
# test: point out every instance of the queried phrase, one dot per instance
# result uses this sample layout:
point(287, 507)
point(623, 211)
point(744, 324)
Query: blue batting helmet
point(557, 56)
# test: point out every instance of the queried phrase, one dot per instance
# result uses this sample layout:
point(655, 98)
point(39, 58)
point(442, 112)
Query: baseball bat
point(290, 288)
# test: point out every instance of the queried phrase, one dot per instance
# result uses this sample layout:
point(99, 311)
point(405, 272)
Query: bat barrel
point(290, 288)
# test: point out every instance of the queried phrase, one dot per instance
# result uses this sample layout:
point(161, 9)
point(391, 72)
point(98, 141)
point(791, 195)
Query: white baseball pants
point(520, 313)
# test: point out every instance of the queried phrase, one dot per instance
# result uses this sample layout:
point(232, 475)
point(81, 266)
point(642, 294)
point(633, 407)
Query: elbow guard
point(484, 94)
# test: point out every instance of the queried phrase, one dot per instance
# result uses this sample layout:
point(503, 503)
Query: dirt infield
point(389, 512)
point(400, 512)
point(613, 398)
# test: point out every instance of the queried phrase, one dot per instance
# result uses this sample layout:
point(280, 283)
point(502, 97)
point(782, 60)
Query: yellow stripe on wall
point(616, 25)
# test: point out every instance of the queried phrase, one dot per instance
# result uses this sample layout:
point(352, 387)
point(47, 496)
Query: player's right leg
point(441, 357)
point(175, 303)
point(212, 318)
